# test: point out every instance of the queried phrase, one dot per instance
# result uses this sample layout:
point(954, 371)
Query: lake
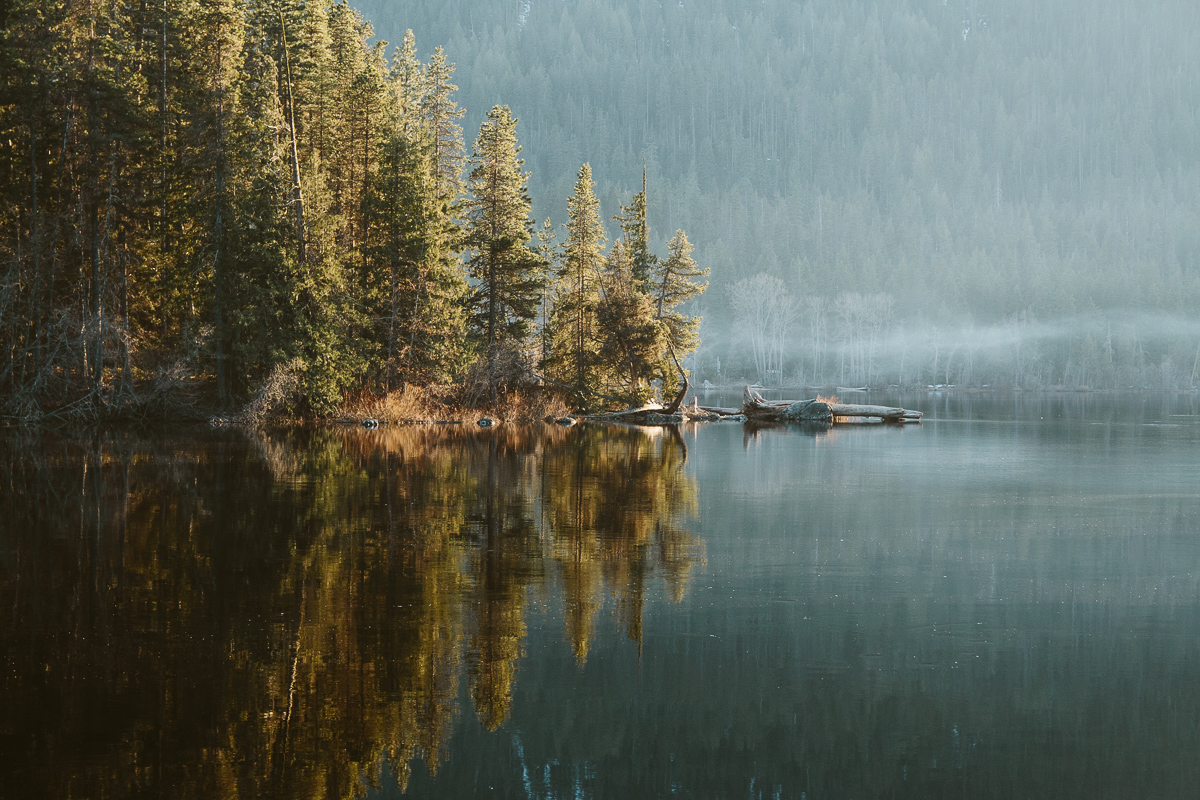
point(1003, 601)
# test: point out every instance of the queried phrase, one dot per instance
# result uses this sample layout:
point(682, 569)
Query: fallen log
point(757, 409)
point(721, 412)
point(644, 415)
point(882, 412)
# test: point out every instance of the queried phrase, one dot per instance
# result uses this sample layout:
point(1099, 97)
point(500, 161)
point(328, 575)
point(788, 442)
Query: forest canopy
point(222, 201)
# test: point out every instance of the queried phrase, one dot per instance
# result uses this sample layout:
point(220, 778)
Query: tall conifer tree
point(441, 114)
point(218, 46)
point(260, 233)
point(408, 85)
point(506, 269)
point(633, 338)
point(575, 346)
point(420, 314)
point(635, 228)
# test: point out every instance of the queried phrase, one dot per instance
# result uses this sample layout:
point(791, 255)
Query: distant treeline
point(980, 162)
point(238, 194)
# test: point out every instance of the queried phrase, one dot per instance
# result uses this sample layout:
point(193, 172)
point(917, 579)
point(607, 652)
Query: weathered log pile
point(754, 409)
point(757, 409)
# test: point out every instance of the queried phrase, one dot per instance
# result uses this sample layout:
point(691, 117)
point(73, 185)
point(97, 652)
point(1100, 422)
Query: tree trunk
point(683, 390)
point(31, 349)
point(219, 230)
point(297, 193)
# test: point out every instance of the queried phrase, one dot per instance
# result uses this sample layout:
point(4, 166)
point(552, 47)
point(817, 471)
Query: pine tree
point(358, 78)
point(507, 271)
point(311, 293)
point(217, 55)
point(440, 114)
point(261, 233)
point(633, 338)
point(546, 249)
point(674, 281)
point(419, 317)
point(408, 85)
point(635, 229)
point(575, 356)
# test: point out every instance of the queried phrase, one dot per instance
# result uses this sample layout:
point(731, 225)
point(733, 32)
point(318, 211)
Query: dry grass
point(833, 399)
point(272, 396)
point(409, 404)
point(430, 404)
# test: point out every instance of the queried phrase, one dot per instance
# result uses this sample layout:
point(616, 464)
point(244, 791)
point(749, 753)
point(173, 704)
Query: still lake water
point(1001, 602)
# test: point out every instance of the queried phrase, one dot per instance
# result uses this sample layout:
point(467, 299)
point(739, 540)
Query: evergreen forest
point(212, 205)
point(999, 192)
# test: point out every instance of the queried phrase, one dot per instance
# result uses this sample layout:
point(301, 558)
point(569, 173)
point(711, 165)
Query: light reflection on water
point(1003, 601)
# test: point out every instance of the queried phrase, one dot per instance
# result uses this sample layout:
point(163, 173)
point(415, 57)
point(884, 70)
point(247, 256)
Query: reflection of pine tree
point(507, 562)
point(615, 499)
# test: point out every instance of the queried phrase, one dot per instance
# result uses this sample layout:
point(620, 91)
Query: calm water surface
point(1001, 602)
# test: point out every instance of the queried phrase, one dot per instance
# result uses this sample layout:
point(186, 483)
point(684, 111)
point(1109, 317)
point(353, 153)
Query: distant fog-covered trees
point(1020, 159)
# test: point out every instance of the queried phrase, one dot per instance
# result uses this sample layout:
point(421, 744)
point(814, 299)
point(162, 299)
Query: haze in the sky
point(983, 192)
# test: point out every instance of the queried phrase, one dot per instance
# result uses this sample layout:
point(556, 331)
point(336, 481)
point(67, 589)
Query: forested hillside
point(206, 203)
point(1017, 179)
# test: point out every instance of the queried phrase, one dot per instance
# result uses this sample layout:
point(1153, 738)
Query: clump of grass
point(433, 403)
point(410, 403)
point(833, 399)
point(531, 404)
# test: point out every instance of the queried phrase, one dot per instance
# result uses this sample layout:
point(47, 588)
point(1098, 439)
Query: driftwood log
point(757, 409)
point(885, 413)
point(645, 415)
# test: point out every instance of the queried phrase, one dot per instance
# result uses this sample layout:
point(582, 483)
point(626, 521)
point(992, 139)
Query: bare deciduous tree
point(765, 312)
point(863, 319)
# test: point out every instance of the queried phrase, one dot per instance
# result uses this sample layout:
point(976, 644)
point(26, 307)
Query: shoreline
point(548, 410)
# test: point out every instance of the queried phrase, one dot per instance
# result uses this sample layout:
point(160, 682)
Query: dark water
point(1001, 602)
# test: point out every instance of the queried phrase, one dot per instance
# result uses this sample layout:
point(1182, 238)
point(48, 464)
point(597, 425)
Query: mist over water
point(1118, 351)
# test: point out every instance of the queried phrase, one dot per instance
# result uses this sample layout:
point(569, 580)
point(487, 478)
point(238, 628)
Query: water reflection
point(233, 616)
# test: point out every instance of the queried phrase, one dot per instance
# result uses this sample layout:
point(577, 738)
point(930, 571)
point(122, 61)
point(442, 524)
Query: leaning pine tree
point(674, 281)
